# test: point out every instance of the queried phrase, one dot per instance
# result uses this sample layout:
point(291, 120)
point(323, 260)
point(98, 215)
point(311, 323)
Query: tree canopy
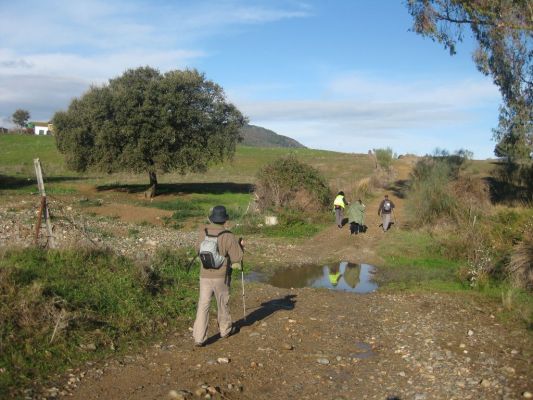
point(20, 118)
point(145, 121)
point(503, 30)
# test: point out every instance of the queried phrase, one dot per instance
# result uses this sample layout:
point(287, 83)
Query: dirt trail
point(337, 244)
point(311, 343)
point(315, 343)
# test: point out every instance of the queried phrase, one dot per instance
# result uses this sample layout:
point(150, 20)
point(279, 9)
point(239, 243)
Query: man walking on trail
point(385, 209)
point(338, 205)
point(356, 216)
point(220, 252)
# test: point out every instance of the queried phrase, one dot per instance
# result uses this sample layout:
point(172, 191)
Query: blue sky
point(339, 75)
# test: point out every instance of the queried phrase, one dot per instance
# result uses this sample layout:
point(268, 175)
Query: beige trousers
point(220, 289)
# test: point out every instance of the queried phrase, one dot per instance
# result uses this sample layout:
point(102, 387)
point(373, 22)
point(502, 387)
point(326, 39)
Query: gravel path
point(310, 343)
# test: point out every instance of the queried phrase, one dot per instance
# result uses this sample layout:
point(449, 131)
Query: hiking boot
point(231, 332)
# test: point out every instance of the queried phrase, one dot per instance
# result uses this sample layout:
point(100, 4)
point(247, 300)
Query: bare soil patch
point(132, 214)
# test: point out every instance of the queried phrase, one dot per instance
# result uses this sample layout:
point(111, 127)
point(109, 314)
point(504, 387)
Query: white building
point(42, 128)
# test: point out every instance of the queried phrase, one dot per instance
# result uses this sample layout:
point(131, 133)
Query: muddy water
point(343, 277)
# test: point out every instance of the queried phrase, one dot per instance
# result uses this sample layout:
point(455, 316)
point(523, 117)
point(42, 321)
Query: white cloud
point(98, 24)
point(355, 114)
point(45, 83)
point(362, 86)
point(91, 68)
point(52, 51)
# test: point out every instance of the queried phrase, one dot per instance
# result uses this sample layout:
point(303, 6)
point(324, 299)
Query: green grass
point(481, 168)
point(413, 261)
point(104, 300)
point(198, 205)
point(18, 152)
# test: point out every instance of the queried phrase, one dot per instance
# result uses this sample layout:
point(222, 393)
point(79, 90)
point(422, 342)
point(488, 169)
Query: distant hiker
point(338, 206)
point(220, 252)
point(386, 207)
point(356, 217)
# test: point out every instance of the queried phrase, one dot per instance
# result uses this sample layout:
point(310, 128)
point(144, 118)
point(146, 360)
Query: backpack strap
point(217, 235)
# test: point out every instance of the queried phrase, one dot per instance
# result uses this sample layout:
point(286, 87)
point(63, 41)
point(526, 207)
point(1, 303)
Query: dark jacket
point(381, 210)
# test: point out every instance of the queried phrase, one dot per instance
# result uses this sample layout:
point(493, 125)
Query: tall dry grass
point(520, 267)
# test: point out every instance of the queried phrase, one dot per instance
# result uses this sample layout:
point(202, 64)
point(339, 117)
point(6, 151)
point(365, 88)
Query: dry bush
point(357, 189)
point(520, 268)
point(287, 183)
point(303, 200)
point(473, 195)
point(363, 188)
point(381, 178)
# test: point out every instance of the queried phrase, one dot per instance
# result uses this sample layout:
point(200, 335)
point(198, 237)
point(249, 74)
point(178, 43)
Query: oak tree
point(145, 121)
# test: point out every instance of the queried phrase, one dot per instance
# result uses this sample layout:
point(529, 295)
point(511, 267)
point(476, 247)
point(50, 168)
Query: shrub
point(290, 184)
point(429, 196)
point(362, 189)
point(520, 268)
point(384, 157)
point(438, 191)
point(513, 182)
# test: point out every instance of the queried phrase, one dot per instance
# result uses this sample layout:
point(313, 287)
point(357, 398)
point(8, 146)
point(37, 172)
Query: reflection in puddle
point(364, 351)
point(343, 277)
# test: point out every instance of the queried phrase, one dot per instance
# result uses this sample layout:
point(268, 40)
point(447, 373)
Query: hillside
point(257, 136)
point(18, 152)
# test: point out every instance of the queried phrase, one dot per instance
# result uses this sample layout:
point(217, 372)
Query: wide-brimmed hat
point(218, 215)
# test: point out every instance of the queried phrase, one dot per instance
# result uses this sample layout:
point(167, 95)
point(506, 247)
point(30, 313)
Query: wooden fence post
point(43, 209)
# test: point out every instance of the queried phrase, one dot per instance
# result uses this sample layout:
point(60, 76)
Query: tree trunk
point(151, 192)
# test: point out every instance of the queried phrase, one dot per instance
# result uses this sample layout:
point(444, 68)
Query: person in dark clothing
point(385, 210)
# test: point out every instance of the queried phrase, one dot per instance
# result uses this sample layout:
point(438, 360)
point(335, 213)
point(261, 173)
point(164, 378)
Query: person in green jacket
point(356, 216)
point(351, 275)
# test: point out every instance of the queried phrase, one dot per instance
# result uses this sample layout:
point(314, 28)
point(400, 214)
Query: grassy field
point(414, 261)
point(190, 196)
point(70, 306)
point(19, 151)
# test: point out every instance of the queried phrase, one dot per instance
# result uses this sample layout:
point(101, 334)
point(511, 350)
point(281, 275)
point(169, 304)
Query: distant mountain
point(257, 136)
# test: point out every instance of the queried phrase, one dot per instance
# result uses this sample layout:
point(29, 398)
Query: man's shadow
point(263, 311)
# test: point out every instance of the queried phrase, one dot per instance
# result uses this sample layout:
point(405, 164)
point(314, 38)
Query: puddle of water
point(347, 277)
point(364, 351)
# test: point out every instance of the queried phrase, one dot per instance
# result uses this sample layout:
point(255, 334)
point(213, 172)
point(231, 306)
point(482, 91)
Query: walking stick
point(191, 263)
point(243, 298)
